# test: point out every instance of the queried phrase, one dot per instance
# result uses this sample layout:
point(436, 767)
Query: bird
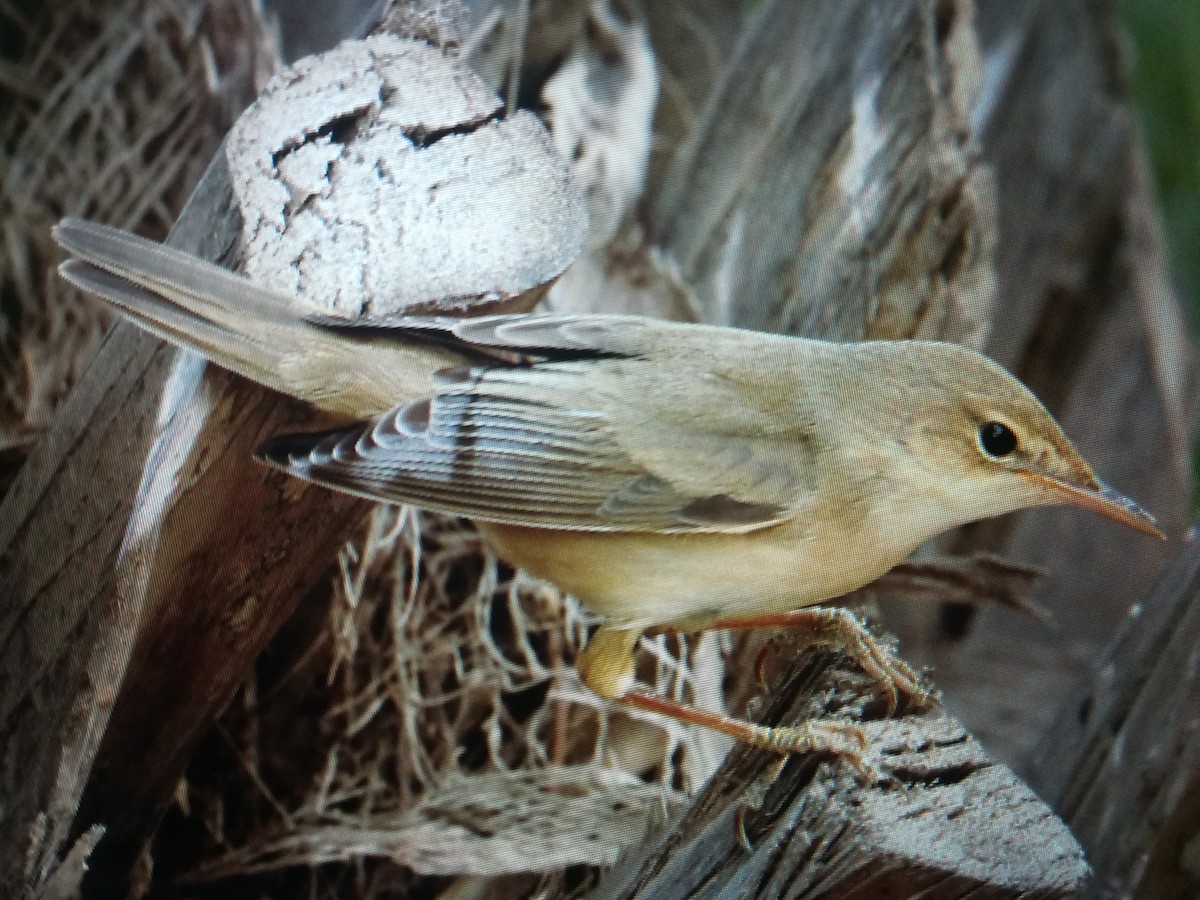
point(670, 476)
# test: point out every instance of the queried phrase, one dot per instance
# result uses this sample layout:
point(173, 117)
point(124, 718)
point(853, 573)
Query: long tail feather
point(266, 337)
point(233, 350)
point(186, 300)
point(179, 277)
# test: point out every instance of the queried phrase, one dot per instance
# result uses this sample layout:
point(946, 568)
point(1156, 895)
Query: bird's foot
point(839, 628)
point(843, 740)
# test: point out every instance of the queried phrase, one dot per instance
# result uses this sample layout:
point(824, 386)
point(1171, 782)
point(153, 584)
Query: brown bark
point(73, 596)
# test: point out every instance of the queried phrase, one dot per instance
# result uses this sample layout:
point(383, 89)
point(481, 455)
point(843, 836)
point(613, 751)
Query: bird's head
point(984, 442)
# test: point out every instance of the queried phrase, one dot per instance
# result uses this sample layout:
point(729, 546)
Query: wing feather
point(536, 445)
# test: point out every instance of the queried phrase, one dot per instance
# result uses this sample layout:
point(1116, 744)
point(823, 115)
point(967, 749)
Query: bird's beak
point(1099, 497)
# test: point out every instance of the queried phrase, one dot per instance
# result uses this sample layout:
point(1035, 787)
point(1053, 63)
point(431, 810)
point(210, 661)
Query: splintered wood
point(1122, 763)
point(835, 191)
point(109, 110)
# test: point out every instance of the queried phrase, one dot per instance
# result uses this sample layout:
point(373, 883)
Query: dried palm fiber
point(109, 110)
point(434, 720)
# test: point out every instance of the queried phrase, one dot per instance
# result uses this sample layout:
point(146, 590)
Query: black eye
point(997, 439)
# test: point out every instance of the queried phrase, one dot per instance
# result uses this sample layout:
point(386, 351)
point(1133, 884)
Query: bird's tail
point(185, 300)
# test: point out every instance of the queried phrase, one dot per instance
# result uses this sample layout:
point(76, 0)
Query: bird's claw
point(845, 741)
point(841, 629)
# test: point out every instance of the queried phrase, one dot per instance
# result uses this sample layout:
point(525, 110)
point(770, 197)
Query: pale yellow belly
point(645, 580)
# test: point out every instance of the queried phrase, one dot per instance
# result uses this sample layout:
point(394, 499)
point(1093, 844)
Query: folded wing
point(539, 445)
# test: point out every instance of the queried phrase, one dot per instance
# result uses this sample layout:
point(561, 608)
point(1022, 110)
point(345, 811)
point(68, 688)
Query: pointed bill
point(1101, 498)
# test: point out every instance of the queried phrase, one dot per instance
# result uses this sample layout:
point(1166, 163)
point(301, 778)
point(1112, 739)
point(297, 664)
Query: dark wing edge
point(518, 338)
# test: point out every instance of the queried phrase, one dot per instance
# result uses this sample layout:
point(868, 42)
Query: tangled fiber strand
point(433, 720)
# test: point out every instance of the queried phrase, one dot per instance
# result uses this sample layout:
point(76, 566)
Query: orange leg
point(606, 666)
point(840, 628)
point(844, 740)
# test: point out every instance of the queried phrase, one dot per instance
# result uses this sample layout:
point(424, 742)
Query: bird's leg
point(606, 665)
point(840, 628)
point(845, 740)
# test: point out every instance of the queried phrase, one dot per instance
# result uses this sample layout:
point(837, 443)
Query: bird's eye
point(997, 439)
